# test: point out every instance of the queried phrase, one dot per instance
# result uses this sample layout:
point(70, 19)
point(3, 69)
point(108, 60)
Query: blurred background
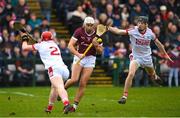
point(62, 17)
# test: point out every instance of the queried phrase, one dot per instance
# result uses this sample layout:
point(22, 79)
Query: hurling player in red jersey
point(83, 37)
point(58, 72)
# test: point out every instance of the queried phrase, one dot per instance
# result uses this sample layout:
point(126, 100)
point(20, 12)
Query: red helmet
point(46, 36)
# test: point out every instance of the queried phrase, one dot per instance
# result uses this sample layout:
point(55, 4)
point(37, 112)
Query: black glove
point(25, 38)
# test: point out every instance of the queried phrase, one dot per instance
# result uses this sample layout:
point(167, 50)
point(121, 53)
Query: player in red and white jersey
point(140, 37)
point(83, 37)
point(58, 73)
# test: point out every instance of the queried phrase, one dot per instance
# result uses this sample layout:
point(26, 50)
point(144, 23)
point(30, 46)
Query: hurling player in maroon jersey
point(83, 37)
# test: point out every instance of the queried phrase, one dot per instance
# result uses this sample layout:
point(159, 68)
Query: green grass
point(98, 101)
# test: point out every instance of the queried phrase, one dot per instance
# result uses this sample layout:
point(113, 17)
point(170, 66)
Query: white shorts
point(60, 71)
point(142, 61)
point(88, 61)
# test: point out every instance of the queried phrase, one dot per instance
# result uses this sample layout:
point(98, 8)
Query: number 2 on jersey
point(54, 51)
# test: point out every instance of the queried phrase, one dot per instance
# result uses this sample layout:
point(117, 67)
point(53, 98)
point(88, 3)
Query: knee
point(131, 74)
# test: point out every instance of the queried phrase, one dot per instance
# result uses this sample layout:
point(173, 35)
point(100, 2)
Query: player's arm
point(25, 45)
point(97, 45)
point(117, 31)
point(71, 47)
point(161, 48)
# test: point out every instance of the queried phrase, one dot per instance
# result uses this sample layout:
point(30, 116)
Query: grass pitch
point(97, 102)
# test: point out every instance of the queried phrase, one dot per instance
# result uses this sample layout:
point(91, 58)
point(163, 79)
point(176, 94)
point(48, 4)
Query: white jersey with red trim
point(141, 42)
point(49, 53)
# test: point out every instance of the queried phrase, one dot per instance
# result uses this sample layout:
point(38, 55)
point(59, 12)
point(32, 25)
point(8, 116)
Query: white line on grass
point(17, 93)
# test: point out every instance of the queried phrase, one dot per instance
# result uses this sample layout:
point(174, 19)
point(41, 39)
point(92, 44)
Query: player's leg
point(58, 83)
point(76, 70)
point(86, 73)
point(52, 98)
point(134, 65)
point(152, 75)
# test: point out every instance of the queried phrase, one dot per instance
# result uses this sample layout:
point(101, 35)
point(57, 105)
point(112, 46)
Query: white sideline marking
point(23, 94)
point(108, 100)
point(17, 93)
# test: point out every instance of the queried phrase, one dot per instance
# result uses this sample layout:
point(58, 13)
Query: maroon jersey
point(84, 40)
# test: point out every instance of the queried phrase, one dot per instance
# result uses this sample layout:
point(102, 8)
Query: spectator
point(153, 11)
point(36, 35)
point(77, 19)
point(163, 12)
point(21, 10)
point(136, 12)
point(65, 53)
point(158, 33)
point(23, 21)
point(7, 52)
point(145, 6)
point(131, 5)
point(159, 23)
point(172, 5)
point(5, 35)
point(174, 66)
point(12, 40)
point(120, 50)
point(116, 7)
point(25, 69)
point(33, 21)
point(4, 72)
point(103, 18)
point(101, 7)
point(108, 51)
point(79, 12)
point(125, 13)
point(44, 26)
point(17, 52)
point(139, 77)
point(111, 15)
point(172, 18)
point(53, 31)
point(3, 14)
point(172, 35)
point(87, 7)
point(46, 8)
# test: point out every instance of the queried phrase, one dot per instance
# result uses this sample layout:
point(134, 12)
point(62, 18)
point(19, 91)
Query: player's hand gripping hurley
point(101, 29)
point(24, 33)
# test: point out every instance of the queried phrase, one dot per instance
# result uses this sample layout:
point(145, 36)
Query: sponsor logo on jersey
point(142, 42)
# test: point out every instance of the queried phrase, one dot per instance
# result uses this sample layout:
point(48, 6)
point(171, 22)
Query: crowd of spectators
point(163, 20)
point(10, 52)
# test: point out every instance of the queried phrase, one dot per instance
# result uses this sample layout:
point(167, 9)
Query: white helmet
point(89, 20)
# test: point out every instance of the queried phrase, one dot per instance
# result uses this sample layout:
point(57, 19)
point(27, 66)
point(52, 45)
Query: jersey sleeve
point(153, 37)
point(76, 34)
point(129, 31)
point(36, 46)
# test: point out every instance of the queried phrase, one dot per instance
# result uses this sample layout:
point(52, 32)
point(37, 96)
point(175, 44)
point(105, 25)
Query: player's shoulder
point(132, 28)
point(150, 31)
point(79, 29)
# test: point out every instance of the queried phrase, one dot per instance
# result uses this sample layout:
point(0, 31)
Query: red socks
point(125, 94)
point(50, 107)
point(66, 103)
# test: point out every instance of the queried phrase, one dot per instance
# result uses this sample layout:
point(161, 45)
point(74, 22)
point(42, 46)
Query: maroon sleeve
point(76, 34)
